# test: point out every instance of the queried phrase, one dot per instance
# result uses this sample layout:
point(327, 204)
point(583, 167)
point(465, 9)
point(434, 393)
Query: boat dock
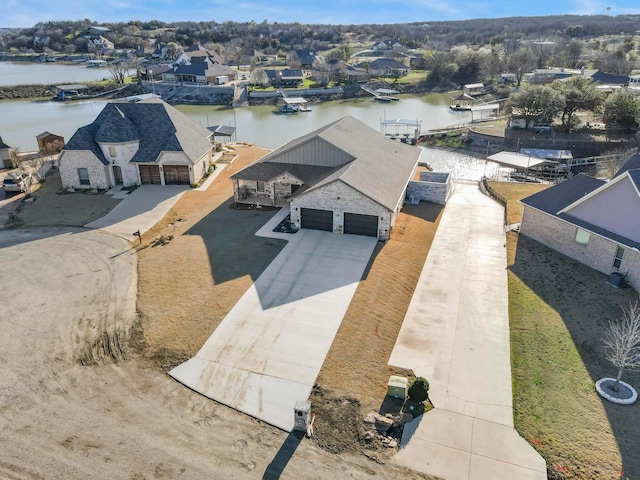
point(404, 130)
point(381, 94)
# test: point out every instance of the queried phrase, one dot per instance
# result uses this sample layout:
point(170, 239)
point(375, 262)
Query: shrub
point(419, 390)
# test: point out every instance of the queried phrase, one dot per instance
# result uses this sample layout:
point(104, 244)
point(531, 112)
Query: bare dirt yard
point(83, 360)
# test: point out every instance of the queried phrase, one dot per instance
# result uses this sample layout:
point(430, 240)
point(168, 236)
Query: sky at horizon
point(26, 13)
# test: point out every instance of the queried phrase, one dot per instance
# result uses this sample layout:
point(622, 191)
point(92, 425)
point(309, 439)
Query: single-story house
point(198, 53)
point(592, 221)
point(387, 45)
point(385, 67)
point(201, 71)
point(343, 178)
point(136, 143)
point(356, 75)
point(49, 143)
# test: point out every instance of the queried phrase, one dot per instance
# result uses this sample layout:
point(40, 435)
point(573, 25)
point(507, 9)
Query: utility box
point(302, 416)
point(397, 387)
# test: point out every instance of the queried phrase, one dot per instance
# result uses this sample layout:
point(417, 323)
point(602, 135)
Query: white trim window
point(582, 236)
point(83, 176)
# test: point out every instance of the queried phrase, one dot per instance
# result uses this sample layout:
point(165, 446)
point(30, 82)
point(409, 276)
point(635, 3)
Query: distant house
point(197, 53)
point(385, 67)
point(287, 77)
point(200, 71)
point(387, 45)
point(356, 75)
point(160, 51)
point(261, 58)
point(49, 143)
point(306, 57)
point(592, 221)
point(99, 44)
point(146, 142)
point(345, 178)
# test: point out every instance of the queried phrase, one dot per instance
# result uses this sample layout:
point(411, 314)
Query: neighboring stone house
point(592, 221)
point(147, 142)
point(201, 71)
point(197, 53)
point(344, 178)
point(99, 44)
point(261, 58)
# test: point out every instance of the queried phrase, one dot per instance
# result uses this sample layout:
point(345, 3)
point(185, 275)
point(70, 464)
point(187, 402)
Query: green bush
point(419, 390)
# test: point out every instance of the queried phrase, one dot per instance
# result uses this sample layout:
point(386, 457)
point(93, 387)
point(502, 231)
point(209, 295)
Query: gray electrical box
point(397, 387)
point(302, 416)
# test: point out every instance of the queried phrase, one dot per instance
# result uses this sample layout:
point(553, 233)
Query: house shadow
point(234, 251)
point(585, 302)
point(281, 460)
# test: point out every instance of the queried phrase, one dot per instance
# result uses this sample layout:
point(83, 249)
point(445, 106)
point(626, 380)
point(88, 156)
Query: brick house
point(344, 178)
point(147, 142)
point(592, 221)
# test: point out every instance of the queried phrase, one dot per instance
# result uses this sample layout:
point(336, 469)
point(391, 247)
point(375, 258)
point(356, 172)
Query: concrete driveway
point(456, 335)
point(268, 350)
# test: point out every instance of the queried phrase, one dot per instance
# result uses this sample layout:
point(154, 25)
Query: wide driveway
point(456, 335)
point(267, 352)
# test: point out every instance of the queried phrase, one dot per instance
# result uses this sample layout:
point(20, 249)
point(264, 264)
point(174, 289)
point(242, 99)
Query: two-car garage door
point(354, 223)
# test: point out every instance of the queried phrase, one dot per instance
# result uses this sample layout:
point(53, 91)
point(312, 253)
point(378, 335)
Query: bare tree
point(118, 73)
point(622, 341)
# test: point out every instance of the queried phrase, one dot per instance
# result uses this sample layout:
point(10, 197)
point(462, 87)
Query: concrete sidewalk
point(139, 210)
point(267, 352)
point(456, 335)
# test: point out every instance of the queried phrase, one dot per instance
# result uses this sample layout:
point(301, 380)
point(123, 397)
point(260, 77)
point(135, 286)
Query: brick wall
point(341, 198)
point(598, 253)
point(71, 160)
point(433, 187)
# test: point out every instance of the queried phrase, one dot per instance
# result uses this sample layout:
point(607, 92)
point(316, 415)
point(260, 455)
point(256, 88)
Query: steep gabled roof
point(632, 164)
point(156, 125)
point(362, 158)
point(3, 145)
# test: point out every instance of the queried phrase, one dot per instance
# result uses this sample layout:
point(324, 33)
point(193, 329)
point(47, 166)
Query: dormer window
point(112, 152)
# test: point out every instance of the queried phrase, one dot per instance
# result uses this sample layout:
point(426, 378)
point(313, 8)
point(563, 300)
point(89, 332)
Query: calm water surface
point(22, 121)
point(30, 73)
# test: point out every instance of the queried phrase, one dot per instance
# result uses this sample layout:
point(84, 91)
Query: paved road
point(456, 335)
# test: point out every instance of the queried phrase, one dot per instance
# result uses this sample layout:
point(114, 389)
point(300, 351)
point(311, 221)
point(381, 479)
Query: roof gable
point(614, 207)
point(553, 199)
point(156, 125)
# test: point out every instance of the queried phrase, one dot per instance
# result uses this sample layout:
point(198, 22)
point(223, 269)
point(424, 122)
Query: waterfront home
point(136, 143)
point(345, 178)
point(592, 221)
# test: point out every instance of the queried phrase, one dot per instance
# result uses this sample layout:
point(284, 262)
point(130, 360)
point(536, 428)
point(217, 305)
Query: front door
point(117, 174)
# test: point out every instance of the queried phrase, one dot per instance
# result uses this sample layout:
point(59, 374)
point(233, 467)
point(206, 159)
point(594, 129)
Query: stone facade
point(341, 198)
point(120, 155)
point(432, 187)
point(598, 252)
point(280, 187)
point(71, 160)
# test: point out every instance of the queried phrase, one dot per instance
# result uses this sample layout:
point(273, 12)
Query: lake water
point(33, 73)
point(22, 121)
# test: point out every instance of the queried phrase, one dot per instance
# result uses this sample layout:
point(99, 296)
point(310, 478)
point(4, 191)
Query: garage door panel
point(149, 174)
point(317, 219)
point(176, 175)
point(358, 224)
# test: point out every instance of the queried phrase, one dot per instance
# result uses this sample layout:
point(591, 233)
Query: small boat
point(287, 110)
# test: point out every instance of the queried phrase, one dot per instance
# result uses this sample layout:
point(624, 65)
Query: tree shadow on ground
point(585, 302)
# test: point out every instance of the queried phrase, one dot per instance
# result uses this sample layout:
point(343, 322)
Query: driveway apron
point(456, 335)
point(266, 353)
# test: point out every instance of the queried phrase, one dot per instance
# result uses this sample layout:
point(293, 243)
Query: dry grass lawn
point(187, 287)
point(559, 310)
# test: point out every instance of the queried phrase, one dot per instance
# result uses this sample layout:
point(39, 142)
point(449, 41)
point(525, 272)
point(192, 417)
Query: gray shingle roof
point(554, 199)
point(632, 164)
point(3, 145)
point(370, 163)
point(158, 126)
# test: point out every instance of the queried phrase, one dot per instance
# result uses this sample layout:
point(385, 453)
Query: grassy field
point(559, 310)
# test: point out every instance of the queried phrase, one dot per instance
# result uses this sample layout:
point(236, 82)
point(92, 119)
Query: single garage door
point(176, 175)
point(149, 174)
point(357, 224)
point(317, 219)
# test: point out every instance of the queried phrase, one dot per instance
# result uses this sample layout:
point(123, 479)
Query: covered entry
point(358, 224)
point(149, 174)
point(176, 175)
point(317, 219)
